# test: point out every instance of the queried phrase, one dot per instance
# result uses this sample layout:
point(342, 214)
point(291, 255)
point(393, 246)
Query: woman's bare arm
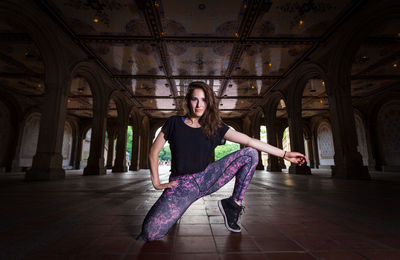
point(153, 158)
point(243, 139)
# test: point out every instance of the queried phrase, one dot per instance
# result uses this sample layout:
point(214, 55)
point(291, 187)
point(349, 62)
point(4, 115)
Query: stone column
point(47, 162)
point(296, 138)
point(110, 154)
point(310, 150)
point(135, 150)
point(273, 161)
point(279, 143)
point(95, 164)
point(78, 157)
point(348, 161)
point(260, 165)
point(315, 149)
point(145, 143)
point(120, 158)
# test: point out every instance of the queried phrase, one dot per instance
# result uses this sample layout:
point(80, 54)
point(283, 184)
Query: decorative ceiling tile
point(300, 18)
point(247, 87)
point(150, 87)
point(201, 18)
point(268, 60)
point(117, 17)
point(199, 58)
point(129, 59)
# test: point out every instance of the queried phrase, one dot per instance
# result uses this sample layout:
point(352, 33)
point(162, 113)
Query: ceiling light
point(364, 58)
point(236, 35)
point(282, 103)
point(156, 4)
point(301, 22)
point(162, 33)
point(321, 101)
point(395, 65)
point(96, 20)
point(252, 86)
point(69, 100)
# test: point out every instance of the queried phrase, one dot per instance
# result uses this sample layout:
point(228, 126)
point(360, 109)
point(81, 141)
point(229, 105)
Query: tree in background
point(225, 149)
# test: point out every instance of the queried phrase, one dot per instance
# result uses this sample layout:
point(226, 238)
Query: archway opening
point(164, 157)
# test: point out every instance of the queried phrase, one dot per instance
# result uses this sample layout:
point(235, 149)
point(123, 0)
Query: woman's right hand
point(165, 185)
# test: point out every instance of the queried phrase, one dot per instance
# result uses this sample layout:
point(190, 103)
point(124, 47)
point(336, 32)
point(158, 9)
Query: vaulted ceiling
point(242, 48)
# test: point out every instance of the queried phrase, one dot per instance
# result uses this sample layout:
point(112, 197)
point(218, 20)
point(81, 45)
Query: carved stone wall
point(325, 144)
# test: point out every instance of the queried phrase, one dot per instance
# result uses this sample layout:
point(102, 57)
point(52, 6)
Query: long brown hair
point(210, 121)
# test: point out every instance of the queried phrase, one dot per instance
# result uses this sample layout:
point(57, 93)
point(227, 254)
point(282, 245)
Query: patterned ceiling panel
point(22, 86)
point(131, 59)
point(182, 84)
point(154, 103)
point(199, 59)
point(361, 88)
point(201, 18)
point(161, 113)
point(243, 103)
point(243, 87)
point(299, 18)
point(20, 58)
point(371, 56)
point(271, 60)
point(151, 87)
point(117, 17)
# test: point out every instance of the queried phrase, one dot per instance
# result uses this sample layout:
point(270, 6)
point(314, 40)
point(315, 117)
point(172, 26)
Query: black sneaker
point(231, 212)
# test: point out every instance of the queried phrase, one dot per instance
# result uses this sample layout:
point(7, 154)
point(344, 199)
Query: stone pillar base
point(303, 170)
point(274, 168)
point(109, 166)
point(133, 168)
point(94, 171)
point(45, 174)
point(120, 169)
point(260, 167)
point(351, 172)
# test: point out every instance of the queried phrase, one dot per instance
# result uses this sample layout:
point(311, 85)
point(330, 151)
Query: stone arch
point(325, 145)
point(388, 129)
point(66, 151)
point(307, 71)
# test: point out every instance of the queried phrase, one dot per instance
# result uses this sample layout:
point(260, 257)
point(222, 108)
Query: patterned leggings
point(174, 201)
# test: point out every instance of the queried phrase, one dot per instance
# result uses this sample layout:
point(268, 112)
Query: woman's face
point(198, 102)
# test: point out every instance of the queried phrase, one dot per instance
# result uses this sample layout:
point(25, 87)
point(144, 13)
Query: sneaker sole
point(225, 219)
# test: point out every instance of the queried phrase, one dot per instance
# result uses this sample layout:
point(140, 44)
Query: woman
point(192, 141)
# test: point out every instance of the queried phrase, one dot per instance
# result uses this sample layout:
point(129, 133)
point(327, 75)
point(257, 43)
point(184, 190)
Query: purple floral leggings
point(174, 201)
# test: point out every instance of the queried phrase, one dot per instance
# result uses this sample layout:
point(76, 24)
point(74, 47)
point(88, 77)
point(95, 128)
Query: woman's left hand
point(295, 157)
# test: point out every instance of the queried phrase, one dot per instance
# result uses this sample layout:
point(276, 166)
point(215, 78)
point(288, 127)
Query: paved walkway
point(287, 217)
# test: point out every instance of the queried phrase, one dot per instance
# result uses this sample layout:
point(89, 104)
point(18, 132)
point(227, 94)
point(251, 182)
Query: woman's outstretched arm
point(243, 139)
point(153, 158)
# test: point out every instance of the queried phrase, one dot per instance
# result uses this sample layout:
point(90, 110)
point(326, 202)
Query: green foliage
point(129, 141)
point(165, 154)
point(226, 149)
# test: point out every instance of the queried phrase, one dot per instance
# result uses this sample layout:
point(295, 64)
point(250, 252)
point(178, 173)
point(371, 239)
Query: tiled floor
point(287, 217)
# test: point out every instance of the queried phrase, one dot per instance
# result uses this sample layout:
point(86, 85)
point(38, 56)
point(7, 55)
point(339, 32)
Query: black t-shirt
point(191, 150)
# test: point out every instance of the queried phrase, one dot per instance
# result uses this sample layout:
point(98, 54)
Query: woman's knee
point(150, 233)
point(253, 153)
